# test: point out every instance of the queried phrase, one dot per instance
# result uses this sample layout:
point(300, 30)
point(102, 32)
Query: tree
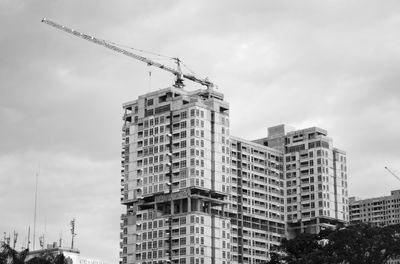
point(363, 243)
point(356, 244)
point(303, 249)
point(10, 256)
point(48, 258)
point(275, 258)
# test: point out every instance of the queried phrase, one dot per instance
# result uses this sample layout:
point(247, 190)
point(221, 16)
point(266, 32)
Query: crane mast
point(178, 74)
point(391, 172)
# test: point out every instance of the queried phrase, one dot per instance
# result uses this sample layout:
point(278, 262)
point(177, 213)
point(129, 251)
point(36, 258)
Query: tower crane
point(391, 172)
point(177, 72)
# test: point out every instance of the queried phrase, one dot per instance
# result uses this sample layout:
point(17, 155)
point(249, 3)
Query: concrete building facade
point(195, 194)
point(315, 179)
point(381, 211)
point(172, 171)
point(255, 201)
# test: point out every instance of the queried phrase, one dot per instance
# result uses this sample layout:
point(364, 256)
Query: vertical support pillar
point(212, 239)
point(301, 226)
point(172, 212)
point(170, 188)
point(213, 160)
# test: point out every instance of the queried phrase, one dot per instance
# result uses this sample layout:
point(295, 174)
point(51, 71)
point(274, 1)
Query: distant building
point(194, 194)
point(72, 255)
point(381, 211)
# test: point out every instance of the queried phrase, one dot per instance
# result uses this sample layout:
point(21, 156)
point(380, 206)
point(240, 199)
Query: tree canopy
point(355, 244)
point(9, 255)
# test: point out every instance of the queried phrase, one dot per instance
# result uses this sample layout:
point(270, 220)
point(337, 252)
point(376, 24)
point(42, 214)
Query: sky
point(330, 64)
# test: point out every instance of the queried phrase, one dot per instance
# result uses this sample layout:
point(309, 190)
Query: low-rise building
point(382, 211)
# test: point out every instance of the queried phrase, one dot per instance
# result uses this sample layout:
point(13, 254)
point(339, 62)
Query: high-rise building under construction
point(195, 194)
point(315, 179)
point(173, 171)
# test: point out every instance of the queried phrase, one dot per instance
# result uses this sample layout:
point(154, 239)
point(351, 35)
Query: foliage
point(356, 244)
point(10, 256)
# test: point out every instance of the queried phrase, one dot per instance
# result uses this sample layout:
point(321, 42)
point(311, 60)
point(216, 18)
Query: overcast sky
point(331, 64)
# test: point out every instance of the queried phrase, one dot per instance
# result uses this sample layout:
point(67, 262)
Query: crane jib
point(149, 62)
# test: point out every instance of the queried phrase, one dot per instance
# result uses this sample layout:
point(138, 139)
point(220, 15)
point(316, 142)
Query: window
point(182, 241)
point(183, 115)
point(182, 251)
point(183, 134)
point(183, 144)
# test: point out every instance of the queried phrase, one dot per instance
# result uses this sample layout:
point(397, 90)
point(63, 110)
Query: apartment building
point(172, 171)
point(255, 201)
point(315, 178)
point(381, 211)
point(196, 194)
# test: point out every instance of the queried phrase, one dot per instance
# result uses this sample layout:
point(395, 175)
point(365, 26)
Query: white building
point(195, 194)
point(382, 211)
point(72, 255)
point(315, 179)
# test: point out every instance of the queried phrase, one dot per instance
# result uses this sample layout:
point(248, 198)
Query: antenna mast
point(34, 216)
point(29, 237)
point(72, 232)
point(41, 241)
point(15, 238)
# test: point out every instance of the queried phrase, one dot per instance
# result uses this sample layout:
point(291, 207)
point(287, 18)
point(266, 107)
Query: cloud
point(333, 64)
point(69, 187)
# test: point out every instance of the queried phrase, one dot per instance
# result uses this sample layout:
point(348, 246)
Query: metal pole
point(34, 216)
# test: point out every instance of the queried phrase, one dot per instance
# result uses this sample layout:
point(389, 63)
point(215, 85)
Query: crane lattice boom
point(391, 172)
point(104, 43)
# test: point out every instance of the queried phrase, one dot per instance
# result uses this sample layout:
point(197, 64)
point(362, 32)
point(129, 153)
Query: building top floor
point(254, 146)
point(393, 197)
point(172, 94)
point(283, 130)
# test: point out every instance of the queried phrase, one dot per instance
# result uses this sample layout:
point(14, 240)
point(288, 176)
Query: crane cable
point(159, 56)
point(140, 50)
point(149, 77)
